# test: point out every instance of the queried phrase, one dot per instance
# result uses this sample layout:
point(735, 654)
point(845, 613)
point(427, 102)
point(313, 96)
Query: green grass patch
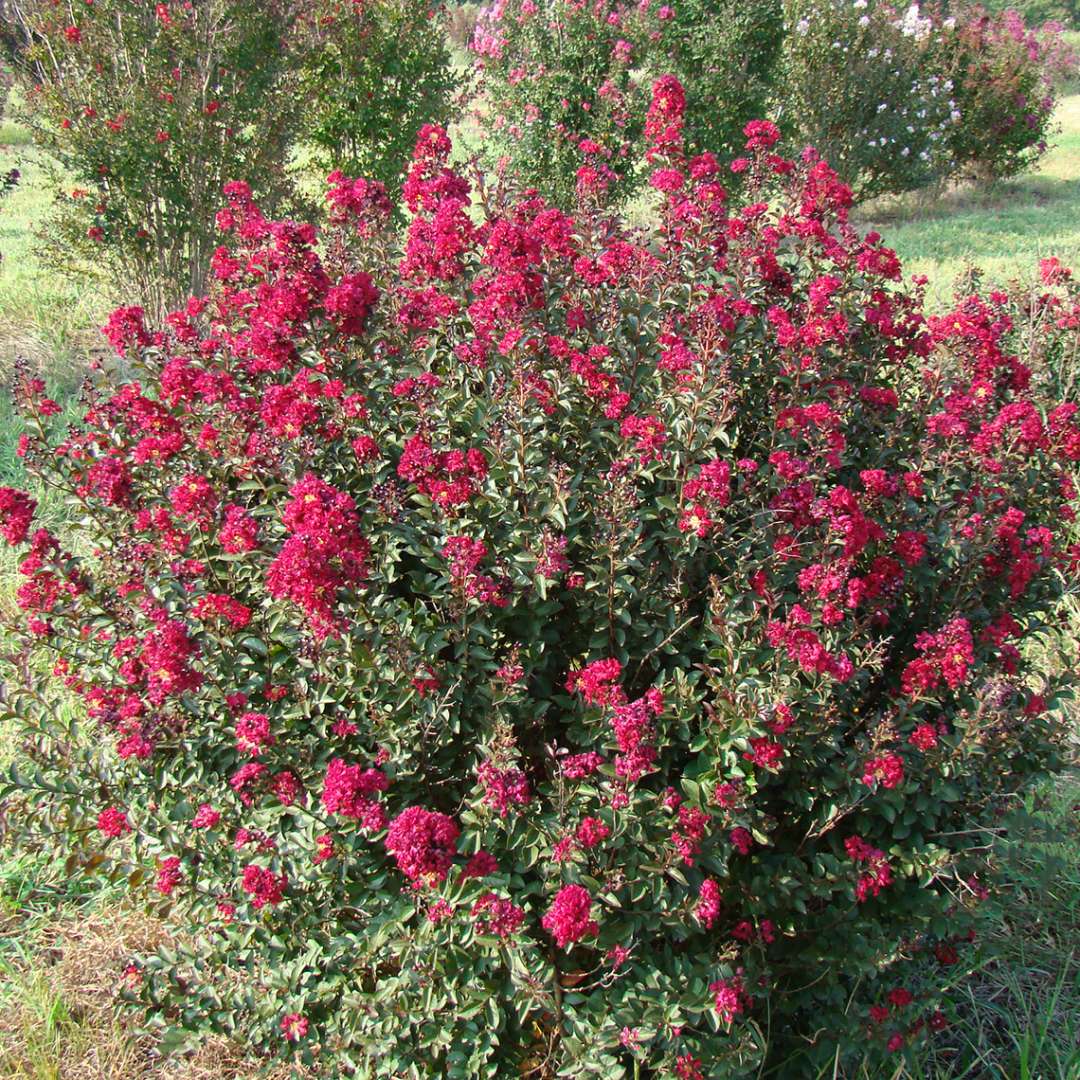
point(1018, 1018)
point(44, 316)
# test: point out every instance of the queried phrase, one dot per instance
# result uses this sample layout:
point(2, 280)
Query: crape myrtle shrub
point(149, 109)
point(561, 86)
point(863, 85)
point(725, 54)
point(568, 82)
point(552, 647)
point(900, 99)
point(371, 74)
point(1004, 76)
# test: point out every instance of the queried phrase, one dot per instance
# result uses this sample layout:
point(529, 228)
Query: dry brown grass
point(59, 1014)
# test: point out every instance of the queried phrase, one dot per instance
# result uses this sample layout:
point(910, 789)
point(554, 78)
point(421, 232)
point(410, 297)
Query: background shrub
point(148, 110)
point(371, 75)
point(896, 99)
point(568, 83)
point(861, 84)
point(1003, 76)
point(725, 55)
point(899, 99)
point(558, 649)
point(557, 77)
point(1038, 12)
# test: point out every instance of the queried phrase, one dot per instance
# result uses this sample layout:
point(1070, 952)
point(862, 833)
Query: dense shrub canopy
point(552, 646)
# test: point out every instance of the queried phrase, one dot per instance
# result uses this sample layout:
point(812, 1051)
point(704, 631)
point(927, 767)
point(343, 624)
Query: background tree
point(147, 111)
point(371, 74)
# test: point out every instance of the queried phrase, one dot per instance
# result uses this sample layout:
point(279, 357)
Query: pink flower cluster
point(729, 999)
point(323, 554)
point(708, 906)
point(113, 822)
point(449, 478)
point(598, 682)
point(632, 724)
point(263, 886)
point(569, 918)
point(423, 843)
point(496, 916)
point(878, 873)
point(887, 770)
point(465, 557)
point(946, 657)
point(16, 513)
point(352, 791)
point(707, 494)
point(590, 833)
point(503, 788)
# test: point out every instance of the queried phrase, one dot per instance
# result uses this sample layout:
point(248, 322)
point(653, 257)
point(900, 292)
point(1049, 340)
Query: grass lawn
point(43, 316)
point(63, 943)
